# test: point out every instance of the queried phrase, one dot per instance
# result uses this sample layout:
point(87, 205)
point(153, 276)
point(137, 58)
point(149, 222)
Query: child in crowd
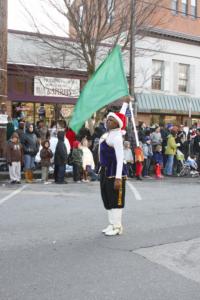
point(88, 162)
point(191, 161)
point(158, 160)
point(139, 159)
point(14, 156)
point(128, 159)
point(45, 154)
point(77, 161)
point(148, 153)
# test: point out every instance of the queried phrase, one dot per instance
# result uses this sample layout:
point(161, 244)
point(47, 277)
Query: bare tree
point(94, 23)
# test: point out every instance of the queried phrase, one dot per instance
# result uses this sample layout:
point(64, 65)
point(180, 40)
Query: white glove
point(178, 145)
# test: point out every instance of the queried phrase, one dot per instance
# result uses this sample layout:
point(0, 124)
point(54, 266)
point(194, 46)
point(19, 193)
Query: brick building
point(167, 71)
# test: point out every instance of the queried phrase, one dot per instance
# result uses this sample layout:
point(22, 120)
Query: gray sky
point(17, 18)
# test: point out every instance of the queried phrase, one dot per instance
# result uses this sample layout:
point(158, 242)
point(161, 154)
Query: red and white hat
point(119, 117)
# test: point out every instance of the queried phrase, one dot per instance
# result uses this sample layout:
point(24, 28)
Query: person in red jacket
point(71, 136)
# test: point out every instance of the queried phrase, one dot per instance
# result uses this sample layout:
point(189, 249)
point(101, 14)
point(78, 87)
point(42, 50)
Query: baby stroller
point(189, 166)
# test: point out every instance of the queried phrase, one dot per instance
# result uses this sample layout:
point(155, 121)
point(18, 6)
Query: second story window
point(183, 73)
point(184, 7)
point(157, 74)
point(110, 10)
point(80, 14)
point(175, 7)
point(194, 8)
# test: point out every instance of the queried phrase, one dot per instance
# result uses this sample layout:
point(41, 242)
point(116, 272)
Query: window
point(110, 10)
point(80, 14)
point(175, 7)
point(194, 8)
point(184, 7)
point(183, 72)
point(157, 74)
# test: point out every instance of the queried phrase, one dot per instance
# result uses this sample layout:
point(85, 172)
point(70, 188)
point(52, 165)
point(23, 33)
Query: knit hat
point(170, 126)
point(120, 118)
point(76, 144)
point(15, 135)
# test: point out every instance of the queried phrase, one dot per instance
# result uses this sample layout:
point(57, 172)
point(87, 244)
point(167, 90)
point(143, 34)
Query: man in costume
point(112, 174)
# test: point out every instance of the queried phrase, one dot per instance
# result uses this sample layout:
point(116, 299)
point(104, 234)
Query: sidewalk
point(4, 175)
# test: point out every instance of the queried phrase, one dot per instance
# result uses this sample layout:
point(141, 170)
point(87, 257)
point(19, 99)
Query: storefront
point(163, 109)
point(33, 112)
point(50, 98)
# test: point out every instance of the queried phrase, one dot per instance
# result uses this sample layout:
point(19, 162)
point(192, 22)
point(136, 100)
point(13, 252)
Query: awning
point(159, 103)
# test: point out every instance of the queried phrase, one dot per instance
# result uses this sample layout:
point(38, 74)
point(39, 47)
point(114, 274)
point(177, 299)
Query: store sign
point(3, 119)
point(22, 108)
point(56, 87)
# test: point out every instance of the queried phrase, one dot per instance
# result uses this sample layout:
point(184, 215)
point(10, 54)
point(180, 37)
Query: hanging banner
point(56, 87)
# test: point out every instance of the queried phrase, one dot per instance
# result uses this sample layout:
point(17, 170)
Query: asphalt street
point(52, 248)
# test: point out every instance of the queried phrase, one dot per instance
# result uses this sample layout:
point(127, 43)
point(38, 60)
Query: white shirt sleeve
point(124, 108)
point(67, 144)
point(119, 151)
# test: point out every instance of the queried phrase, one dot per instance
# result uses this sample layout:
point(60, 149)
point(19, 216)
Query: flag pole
point(133, 122)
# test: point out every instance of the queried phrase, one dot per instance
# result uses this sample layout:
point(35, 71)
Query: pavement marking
point(137, 195)
point(14, 193)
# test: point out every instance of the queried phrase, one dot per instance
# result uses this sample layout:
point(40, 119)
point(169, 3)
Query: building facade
point(167, 79)
point(46, 84)
point(167, 62)
point(42, 83)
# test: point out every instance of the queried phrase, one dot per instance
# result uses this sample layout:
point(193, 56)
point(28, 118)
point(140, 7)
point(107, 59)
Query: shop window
point(184, 7)
point(175, 7)
point(183, 78)
point(157, 74)
point(45, 112)
point(23, 111)
point(194, 8)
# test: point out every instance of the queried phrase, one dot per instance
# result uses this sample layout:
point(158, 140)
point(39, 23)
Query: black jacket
point(197, 144)
point(60, 157)
point(30, 143)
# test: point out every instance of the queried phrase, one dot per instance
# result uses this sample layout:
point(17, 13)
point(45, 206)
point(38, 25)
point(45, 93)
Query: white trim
point(112, 114)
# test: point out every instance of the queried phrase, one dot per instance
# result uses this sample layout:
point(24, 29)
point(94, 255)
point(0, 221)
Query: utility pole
point(3, 74)
point(132, 54)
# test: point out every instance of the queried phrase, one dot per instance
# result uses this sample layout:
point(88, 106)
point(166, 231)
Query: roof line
point(173, 34)
point(40, 35)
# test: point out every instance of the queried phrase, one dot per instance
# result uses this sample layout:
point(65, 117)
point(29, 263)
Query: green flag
point(107, 84)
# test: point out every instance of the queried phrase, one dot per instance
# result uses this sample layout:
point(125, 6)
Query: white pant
point(115, 217)
point(15, 171)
